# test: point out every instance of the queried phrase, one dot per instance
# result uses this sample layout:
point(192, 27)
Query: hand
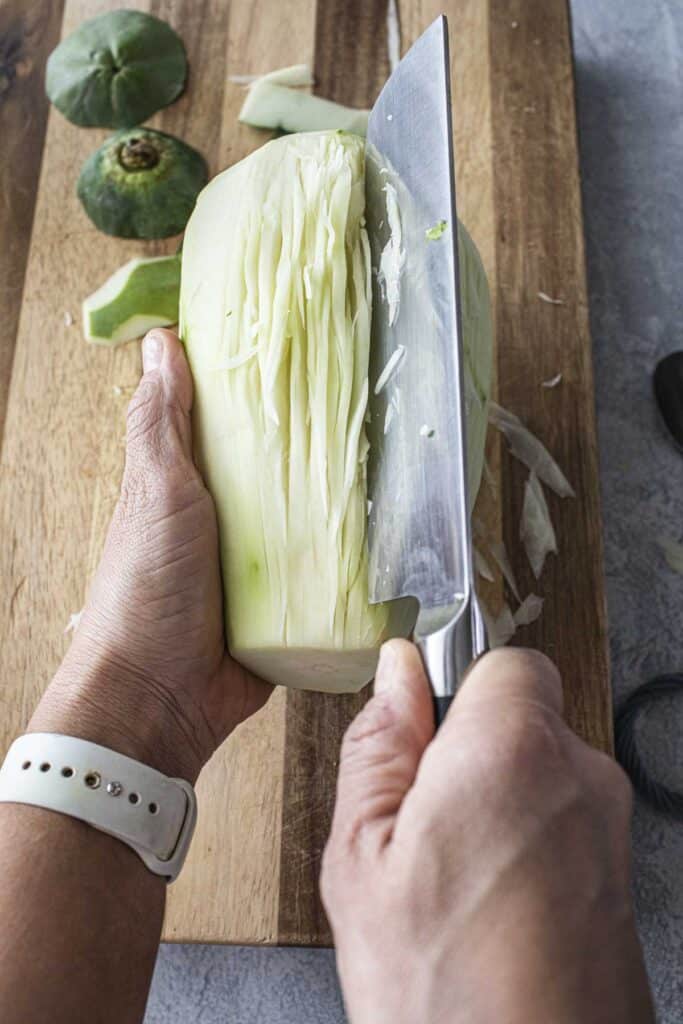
point(147, 672)
point(483, 874)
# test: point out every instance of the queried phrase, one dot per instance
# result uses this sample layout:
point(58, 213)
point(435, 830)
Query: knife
point(418, 523)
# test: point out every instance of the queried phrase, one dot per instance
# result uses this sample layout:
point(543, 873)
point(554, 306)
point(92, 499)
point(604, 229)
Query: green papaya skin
point(142, 294)
point(141, 184)
point(116, 70)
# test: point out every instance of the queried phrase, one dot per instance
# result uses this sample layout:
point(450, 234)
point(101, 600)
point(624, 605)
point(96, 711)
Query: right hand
point(483, 874)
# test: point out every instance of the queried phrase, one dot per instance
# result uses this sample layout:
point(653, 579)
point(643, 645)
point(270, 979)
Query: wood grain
point(540, 248)
point(28, 32)
point(266, 798)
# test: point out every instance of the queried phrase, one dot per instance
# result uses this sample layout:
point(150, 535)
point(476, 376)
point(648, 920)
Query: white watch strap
point(151, 813)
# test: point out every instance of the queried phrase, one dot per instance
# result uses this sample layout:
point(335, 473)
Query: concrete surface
point(629, 56)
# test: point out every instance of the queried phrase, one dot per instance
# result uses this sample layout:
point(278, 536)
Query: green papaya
point(142, 184)
point(116, 70)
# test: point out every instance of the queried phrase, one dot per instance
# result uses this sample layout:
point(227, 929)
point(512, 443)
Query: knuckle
point(158, 471)
point(528, 742)
point(539, 663)
point(514, 675)
point(613, 783)
point(522, 661)
point(152, 496)
point(329, 876)
point(346, 875)
point(145, 410)
point(340, 869)
point(375, 718)
point(368, 731)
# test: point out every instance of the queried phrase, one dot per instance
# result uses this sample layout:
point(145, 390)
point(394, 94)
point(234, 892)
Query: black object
point(668, 382)
point(441, 706)
point(660, 797)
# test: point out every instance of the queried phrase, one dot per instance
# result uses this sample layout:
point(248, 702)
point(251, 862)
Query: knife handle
point(449, 653)
point(441, 706)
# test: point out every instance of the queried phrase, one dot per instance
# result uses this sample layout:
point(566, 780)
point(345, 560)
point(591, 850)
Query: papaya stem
point(138, 155)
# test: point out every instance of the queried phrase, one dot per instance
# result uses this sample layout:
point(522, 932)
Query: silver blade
point(419, 535)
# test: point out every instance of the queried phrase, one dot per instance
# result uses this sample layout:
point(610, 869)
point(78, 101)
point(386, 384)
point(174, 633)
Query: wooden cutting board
point(265, 799)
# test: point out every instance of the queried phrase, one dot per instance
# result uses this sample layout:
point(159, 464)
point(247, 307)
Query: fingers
point(383, 746)
point(503, 746)
point(511, 675)
point(159, 432)
point(506, 718)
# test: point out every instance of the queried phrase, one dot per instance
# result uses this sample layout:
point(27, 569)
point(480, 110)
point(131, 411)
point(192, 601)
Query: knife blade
point(418, 524)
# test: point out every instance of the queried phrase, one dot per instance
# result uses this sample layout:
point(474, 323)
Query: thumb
point(382, 748)
point(158, 427)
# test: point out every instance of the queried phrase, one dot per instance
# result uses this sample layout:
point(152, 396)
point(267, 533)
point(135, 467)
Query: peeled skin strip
point(271, 105)
point(141, 295)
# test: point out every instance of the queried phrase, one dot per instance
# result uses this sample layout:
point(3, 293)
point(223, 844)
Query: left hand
point(147, 672)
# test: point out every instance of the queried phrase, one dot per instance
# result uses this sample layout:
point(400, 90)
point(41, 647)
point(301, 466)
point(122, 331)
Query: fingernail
point(386, 668)
point(152, 351)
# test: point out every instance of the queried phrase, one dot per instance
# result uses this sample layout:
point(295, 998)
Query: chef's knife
point(419, 523)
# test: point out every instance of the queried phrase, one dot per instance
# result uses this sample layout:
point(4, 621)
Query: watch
point(147, 811)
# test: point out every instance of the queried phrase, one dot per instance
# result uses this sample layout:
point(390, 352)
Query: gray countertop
point(629, 67)
point(629, 63)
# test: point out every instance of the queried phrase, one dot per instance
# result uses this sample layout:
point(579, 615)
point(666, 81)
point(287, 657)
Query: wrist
point(96, 699)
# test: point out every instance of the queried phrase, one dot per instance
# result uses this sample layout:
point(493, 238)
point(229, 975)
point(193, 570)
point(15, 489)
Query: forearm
point(80, 914)
point(81, 919)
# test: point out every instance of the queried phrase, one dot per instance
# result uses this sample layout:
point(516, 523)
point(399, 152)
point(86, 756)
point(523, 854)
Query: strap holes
point(45, 766)
point(134, 798)
point(153, 808)
point(92, 780)
point(67, 772)
point(25, 766)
